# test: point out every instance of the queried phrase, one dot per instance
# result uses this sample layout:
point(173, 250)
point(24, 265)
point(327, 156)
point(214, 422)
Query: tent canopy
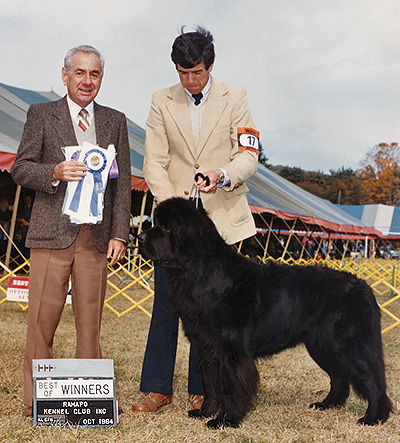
point(269, 193)
point(14, 104)
point(384, 218)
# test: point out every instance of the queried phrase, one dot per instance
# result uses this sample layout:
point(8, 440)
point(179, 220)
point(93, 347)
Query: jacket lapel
point(179, 111)
point(103, 126)
point(63, 125)
point(215, 106)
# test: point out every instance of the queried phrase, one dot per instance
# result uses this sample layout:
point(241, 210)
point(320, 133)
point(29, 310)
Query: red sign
point(18, 289)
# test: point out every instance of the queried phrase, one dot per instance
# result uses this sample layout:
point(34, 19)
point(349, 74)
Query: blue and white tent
point(269, 193)
point(14, 104)
point(385, 219)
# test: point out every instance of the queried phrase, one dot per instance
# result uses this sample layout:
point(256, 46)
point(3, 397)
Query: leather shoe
point(27, 411)
point(153, 403)
point(196, 401)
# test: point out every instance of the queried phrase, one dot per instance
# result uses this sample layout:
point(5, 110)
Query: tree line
point(377, 180)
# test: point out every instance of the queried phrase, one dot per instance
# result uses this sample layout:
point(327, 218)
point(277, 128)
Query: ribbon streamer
point(84, 199)
point(96, 162)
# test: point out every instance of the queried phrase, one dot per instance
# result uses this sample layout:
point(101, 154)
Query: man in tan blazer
point(61, 250)
point(194, 126)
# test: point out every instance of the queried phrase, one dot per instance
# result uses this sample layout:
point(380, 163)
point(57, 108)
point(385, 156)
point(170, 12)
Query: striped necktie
point(83, 121)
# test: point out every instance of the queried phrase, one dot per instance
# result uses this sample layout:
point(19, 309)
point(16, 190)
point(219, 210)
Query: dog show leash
point(195, 193)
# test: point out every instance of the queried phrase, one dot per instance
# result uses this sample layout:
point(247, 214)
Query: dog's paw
point(215, 423)
point(319, 406)
point(209, 410)
point(218, 423)
point(368, 421)
point(195, 413)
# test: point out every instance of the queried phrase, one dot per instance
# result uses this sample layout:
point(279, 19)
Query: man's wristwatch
point(221, 177)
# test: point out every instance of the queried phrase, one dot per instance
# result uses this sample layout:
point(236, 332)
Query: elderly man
point(61, 249)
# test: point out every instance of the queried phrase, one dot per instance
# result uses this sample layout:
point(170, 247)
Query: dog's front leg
point(212, 390)
point(208, 409)
point(239, 384)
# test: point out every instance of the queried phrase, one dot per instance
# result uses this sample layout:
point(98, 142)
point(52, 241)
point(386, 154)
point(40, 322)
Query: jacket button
point(186, 192)
point(197, 166)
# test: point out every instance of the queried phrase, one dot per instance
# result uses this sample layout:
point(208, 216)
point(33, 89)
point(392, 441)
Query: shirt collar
point(204, 91)
point(75, 109)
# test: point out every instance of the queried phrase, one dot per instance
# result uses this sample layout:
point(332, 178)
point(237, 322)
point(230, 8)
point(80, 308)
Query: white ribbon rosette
point(84, 199)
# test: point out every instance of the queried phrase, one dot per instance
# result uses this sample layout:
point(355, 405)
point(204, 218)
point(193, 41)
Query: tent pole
point(303, 244)
point(142, 209)
point(329, 246)
point(268, 237)
point(288, 240)
point(12, 226)
point(345, 249)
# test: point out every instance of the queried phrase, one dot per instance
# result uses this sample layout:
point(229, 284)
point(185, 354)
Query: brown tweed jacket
point(48, 128)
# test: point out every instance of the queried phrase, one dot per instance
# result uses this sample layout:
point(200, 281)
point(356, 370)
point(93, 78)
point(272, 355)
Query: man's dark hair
point(191, 48)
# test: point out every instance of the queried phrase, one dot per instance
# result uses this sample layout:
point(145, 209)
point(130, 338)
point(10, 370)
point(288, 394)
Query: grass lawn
point(289, 382)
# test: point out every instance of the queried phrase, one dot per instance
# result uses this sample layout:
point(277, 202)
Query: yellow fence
point(380, 274)
point(130, 283)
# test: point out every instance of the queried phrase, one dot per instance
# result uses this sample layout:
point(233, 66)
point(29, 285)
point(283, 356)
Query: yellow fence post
point(394, 283)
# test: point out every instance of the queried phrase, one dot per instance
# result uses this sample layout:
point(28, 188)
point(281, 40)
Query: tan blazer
point(171, 160)
point(47, 129)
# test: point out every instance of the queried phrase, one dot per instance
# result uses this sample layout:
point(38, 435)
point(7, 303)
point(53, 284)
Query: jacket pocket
point(238, 209)
point(46, 213)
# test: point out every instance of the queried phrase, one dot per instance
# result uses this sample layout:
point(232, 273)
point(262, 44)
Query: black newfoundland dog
point(234, 311)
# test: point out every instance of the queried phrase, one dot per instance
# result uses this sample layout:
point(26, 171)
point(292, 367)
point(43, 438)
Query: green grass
point(289, 382)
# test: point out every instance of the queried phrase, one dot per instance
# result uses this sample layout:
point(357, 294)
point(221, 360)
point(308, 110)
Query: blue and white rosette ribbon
point(96, 162)
point(84, 199)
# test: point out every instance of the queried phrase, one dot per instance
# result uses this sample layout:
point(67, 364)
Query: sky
point(322, 76)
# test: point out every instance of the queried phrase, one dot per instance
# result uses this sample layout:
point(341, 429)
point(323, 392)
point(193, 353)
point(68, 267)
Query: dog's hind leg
point(365, 368)
point(340, 389)
point(340, 384)
point(365, 371)
point(384, 408)
point(373, 388)
point(239, 382)
point(377, 411)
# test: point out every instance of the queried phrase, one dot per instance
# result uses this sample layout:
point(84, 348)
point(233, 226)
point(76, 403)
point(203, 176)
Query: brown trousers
point(48, 286)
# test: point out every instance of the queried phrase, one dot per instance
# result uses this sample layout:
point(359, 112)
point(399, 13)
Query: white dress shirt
point(196, 117)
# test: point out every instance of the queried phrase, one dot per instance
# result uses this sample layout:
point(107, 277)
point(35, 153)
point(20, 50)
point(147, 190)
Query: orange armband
point(248, 140)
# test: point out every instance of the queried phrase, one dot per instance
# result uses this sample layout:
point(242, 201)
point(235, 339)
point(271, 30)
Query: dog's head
point(180, 231)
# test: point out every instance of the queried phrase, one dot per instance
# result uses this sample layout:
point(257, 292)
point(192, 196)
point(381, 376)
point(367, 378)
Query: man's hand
point(116, 250)
point(69, 171)
point(213, 176)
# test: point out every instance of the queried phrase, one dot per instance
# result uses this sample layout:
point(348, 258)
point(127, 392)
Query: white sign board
point(18, 289)
point(74, 392)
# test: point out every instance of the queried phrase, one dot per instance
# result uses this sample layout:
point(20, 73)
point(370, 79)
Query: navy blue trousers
point(159, 359)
